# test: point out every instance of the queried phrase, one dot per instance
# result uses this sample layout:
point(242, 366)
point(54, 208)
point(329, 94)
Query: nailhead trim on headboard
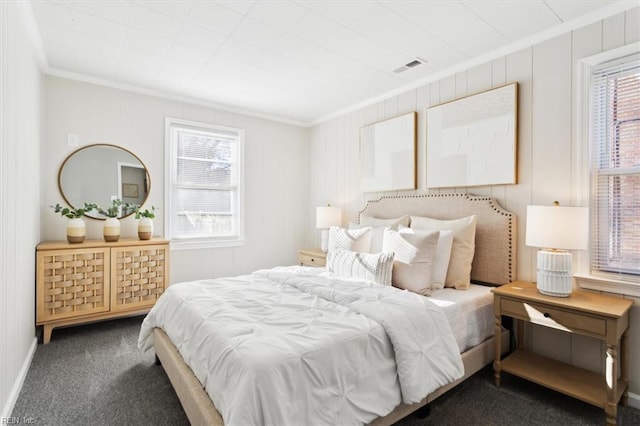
point(494, 261)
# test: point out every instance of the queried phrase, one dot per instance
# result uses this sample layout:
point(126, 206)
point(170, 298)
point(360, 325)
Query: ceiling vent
point(409, 65)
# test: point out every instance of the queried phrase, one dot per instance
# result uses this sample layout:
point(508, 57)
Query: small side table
point(585, 313)
point(312, 257)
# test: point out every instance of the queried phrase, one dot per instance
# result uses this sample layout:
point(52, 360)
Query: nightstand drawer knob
point(547, 315)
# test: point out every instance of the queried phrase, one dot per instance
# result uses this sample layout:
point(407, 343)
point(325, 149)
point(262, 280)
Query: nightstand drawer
point(555, 318)
point(308, 260)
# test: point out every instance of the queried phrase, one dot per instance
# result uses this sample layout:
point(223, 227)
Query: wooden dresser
point(96, 280)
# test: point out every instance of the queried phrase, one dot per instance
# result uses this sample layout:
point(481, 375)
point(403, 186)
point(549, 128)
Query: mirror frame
point(146, 169)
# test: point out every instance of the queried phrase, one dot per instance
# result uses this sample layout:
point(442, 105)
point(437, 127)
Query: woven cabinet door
point(139, 275)
point(72, 283)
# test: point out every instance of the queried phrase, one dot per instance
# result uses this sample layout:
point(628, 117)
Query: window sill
point(592, 282)
point(204, 244)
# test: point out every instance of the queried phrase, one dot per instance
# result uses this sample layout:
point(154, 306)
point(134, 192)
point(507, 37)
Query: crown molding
point(594, 16)
point(584, 20)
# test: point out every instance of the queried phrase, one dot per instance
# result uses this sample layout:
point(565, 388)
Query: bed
point(493, 264)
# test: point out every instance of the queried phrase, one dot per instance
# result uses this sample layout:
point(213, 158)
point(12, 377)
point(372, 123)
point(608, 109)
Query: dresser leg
point(46, 333)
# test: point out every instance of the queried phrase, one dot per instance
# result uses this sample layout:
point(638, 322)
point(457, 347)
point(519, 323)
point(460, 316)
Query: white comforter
point(294, 346)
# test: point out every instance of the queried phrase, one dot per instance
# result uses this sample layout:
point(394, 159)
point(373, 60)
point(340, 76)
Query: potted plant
point(111, 229)
point(76, 228)
point(145, 223)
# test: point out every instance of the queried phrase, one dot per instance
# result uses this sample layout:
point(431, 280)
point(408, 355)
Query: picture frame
point(472, 141)
point(388, 155)
point(129, 190)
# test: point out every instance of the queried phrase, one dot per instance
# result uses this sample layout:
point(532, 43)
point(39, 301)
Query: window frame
point(583, 144)
point(238, 239)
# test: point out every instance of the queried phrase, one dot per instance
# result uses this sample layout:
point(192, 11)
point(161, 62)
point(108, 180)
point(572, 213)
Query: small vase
point(145, 228)
point(76, 230)
point(111, 230)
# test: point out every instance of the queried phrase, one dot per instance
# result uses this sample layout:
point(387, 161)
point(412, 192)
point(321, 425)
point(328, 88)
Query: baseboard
point(633, 400)
point(17, 385)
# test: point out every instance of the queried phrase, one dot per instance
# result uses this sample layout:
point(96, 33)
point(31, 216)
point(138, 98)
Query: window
point(615, 169)
point(205, 184)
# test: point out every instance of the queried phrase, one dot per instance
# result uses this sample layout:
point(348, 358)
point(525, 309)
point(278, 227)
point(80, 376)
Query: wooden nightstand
point(589, 314)
point(312, 257)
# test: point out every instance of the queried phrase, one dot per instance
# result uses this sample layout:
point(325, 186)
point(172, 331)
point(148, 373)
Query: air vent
point(409, 65)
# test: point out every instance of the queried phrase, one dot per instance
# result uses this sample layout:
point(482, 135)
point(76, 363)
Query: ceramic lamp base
point(554, 276)
point(324, 240)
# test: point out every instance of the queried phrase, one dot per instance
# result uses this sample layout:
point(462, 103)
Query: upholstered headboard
point(494, 261)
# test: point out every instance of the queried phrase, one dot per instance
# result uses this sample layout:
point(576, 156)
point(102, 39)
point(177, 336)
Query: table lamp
point(327, 217)
point(556, 229)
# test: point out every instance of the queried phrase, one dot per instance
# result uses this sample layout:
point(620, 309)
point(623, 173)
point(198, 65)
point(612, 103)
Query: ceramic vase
point(76, 230)
point(145, 228)
point(111, 230)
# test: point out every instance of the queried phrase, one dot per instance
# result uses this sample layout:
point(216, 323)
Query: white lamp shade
point(328, 216)
point(557, 227)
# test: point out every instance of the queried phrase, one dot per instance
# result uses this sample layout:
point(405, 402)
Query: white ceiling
point(300, 61)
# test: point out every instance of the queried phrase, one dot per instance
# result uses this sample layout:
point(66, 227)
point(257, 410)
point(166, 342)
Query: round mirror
point(101, 173)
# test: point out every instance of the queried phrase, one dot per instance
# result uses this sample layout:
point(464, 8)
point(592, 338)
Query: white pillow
point(366, 266)
point(377, 234)
point(462, 250)
point(413, 259)
point(441, 257)
point(377, 228)
point(349, 239)
point(385, 223)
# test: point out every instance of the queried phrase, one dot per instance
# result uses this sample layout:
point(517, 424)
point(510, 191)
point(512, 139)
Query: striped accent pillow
point(371, 267)
point(349, 239)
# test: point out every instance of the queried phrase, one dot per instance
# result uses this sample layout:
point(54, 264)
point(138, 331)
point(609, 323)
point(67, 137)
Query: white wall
point(546, 144)
point(276, 171)
point(20, 122)
point(286, 178)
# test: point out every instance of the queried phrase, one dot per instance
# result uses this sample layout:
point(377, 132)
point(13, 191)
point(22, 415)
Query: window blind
point(204, 183)
point(615, 168)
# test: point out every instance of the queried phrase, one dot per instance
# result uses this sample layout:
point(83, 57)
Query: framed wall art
point(388, 155)
point(473, 141)
point(129, 190)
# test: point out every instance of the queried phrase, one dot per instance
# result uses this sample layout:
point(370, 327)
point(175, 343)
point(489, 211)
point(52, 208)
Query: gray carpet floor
point(95, 375)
